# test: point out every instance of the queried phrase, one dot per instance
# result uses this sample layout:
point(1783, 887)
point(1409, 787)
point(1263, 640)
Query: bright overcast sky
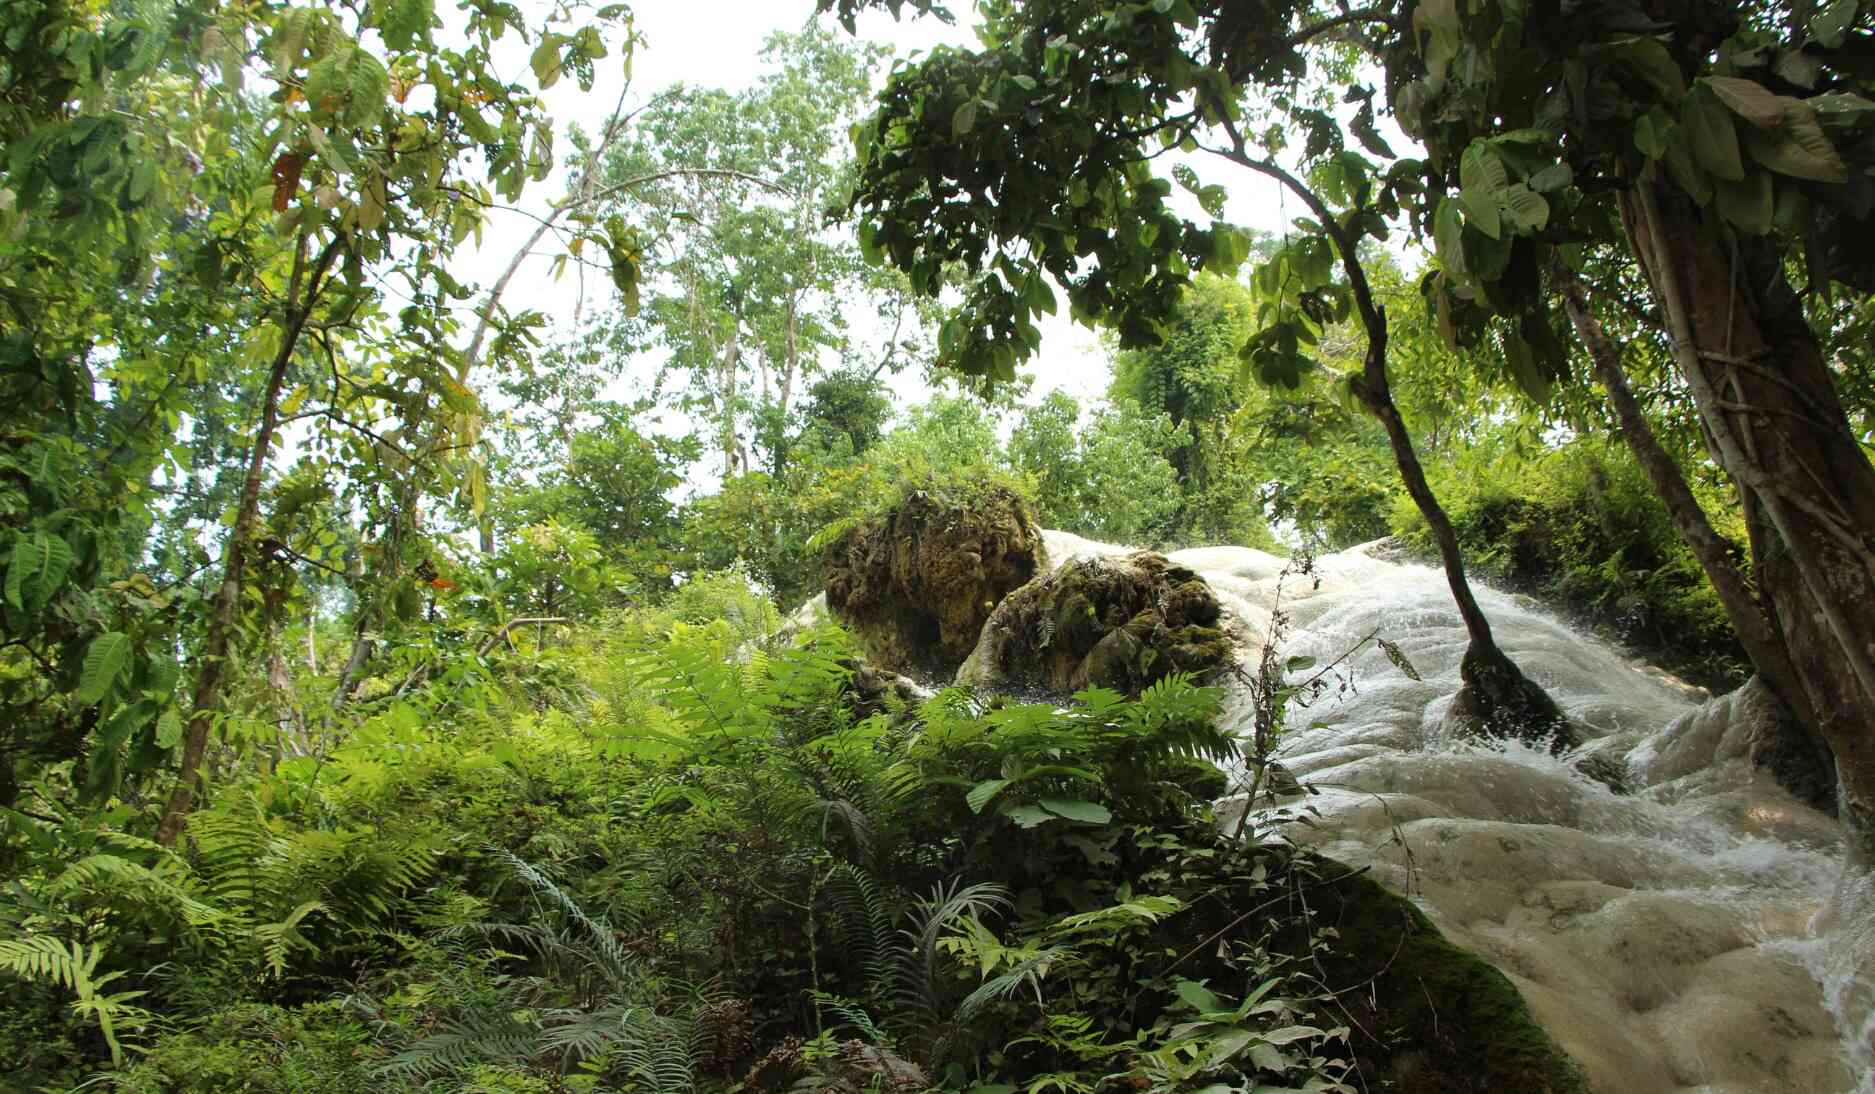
point(716, 43)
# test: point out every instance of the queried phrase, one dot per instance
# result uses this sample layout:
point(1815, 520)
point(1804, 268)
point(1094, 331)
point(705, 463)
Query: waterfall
point(1700, 933)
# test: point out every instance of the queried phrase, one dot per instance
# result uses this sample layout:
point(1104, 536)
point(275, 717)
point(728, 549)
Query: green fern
point(73, 965)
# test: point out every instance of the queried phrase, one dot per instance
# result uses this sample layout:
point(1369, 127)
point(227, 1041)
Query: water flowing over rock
point(915, 584)
point(1699, 934)
point(1119, 623)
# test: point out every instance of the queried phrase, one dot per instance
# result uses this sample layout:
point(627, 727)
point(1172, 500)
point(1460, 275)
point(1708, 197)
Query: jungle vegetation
point(394, 683)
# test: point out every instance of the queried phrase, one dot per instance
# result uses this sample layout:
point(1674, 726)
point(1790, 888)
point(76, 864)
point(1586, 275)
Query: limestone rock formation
point(915, 584)
point(1120, 623)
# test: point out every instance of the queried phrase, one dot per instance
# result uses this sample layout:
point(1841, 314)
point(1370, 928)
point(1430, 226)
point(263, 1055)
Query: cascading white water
point(1699, 934)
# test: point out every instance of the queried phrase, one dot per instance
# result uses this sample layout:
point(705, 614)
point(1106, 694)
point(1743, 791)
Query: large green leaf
point(1798, 148)
point(1085, 812)
point(1448, 238)
point(105, 661)
point(1524, 209)
point(1832, 21)
point(1648, 58)
point(40, 564)
point(1711, 134)
point(1747, 204)
point(1750, 101)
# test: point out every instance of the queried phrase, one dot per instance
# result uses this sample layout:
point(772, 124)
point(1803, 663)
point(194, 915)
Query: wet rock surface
point(1120, 623)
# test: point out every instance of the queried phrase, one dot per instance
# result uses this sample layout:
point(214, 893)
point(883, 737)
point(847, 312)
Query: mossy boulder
point(1116, 623)
point(1429, 1017)
point(915, 583)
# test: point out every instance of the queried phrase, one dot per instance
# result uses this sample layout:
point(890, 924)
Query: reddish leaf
point(286, 171)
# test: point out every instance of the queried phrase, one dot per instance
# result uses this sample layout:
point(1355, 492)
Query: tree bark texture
point(1769, 405)
point(1764, 642)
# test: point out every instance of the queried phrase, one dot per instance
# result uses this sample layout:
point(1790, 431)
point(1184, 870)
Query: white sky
point(716, 43)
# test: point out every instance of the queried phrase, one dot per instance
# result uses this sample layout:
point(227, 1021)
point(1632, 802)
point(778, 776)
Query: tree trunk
point(1769, 405)
point(1799, 760)
point(223, 620)
point(733, 463)
point(1497, 699)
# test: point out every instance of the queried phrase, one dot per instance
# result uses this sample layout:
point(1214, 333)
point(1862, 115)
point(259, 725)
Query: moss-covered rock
point(1429, 1017)
point(915, 584)
point(1116, 623)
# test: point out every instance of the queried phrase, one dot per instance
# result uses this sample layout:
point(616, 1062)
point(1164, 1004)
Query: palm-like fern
point(73, 965)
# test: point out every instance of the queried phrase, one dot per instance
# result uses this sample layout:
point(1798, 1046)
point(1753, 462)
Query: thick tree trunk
point(1769, 405)
point(224, 617)
point(1800, 756)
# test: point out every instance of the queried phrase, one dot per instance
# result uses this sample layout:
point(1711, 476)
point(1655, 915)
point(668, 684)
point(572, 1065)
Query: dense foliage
point(403, 688)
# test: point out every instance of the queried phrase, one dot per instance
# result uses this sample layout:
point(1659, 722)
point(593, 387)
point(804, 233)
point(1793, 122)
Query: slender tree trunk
point(212, 662)
point(1801, 759)
point(1769, 405)
point(1497, 698)
point(1762, 643)
point(732, 375)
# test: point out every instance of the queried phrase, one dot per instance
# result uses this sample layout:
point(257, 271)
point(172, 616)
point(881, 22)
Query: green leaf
point(1653, 132)
point(1524, 209)
point(981, 794)
point(1028, 816)
point(547, 61)
point(1748, 100)
point(169, 729)
point(1831, 24)
point(1398, 657)
point(1799, 148)
point(1288, 1034)
point(1085, 812)
point(1648, 58)
point(1297, 664)
point(39, 566)
point(1479, 169)
point(1747, 204)
point(1521, 362)
point(1552, 178)
point(1448, 238)
point(105, 661)
point(1200, 998)
point(1709, 130)
point(965, 119)
point(1839, 106)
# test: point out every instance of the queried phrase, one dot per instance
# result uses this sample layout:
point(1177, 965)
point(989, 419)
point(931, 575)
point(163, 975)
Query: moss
point(1433, 1018)
point(1122, 624)
point(915, 583)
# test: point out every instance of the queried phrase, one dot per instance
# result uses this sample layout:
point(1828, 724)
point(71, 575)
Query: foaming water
point(1699, 934)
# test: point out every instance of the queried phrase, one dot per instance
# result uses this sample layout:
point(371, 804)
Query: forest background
point(372, 563)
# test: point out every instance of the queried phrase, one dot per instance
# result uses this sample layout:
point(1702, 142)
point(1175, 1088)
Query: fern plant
point(590, 1002)
point(73, 966)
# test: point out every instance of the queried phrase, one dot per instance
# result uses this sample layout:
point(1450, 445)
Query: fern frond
point(1029, 971)
point(935, 917)
point(480, 1037)
point(42, 957)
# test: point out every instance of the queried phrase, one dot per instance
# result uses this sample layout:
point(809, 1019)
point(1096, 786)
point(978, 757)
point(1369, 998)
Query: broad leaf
point(1085, 812)
point(1750, 101)
point(39, 566)
point(1747, 204)
point(1799, 148)
point(105, 661)
point(1709, 130)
